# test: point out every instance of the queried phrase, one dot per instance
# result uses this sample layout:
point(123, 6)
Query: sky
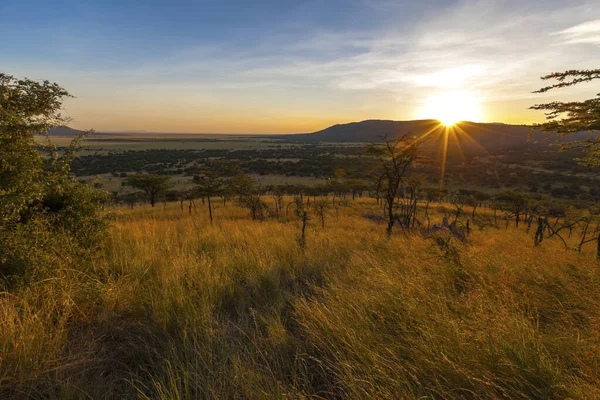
point(283, 66)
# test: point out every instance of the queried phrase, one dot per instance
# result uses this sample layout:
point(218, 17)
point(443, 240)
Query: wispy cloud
point(495, 48)
point(585, 33)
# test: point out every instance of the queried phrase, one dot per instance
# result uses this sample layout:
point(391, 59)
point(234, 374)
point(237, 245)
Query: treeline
point(311, 160)
point(510, 171)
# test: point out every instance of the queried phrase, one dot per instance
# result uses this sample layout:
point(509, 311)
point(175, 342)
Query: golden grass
point(175, 308)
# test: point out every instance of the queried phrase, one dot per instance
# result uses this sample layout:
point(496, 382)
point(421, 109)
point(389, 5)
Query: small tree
point(277, 193)
point(513, 203)
point(395, 157)
point(211, 182)
point(152, 185)
point(321, 206)
point(566, 118)
point(245, 187)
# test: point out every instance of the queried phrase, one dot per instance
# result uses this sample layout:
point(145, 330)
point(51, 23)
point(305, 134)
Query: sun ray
point(426, 135)
point(444, 157)
point(452, 132)
point(468, 137)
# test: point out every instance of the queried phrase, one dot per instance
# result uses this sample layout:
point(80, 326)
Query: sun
point(452, 107)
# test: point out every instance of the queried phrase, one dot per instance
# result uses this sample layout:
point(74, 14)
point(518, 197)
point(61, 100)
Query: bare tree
point(321, 206)
point(395, 157)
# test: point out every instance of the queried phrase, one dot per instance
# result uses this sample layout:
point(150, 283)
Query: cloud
point(495, 48)
point(585, 33)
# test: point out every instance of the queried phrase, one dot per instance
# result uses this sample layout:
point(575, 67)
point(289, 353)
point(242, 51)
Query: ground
point(174, 307)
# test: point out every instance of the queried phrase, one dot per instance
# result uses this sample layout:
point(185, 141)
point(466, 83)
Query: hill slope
point(174, 307)
point(64, 131)
point(465, 136)
point(376, 130)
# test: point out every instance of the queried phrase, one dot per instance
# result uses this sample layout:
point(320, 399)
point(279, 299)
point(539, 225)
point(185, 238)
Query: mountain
point(377, 130)
point(64, 131)
point(467, 137)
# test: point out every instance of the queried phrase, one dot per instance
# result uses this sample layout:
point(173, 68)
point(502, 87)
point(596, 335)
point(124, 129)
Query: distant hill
point(376, 130)
point(64, 131)
point(473, 137)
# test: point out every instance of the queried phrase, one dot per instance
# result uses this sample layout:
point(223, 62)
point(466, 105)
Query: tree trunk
point(209, 210)
point(390, 216)
point(303, 237)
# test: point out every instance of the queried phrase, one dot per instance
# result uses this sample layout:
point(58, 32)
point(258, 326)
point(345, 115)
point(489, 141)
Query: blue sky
point(293, 66)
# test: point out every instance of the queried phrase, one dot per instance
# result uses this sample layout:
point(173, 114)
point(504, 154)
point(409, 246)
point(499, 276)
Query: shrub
point(44, 212)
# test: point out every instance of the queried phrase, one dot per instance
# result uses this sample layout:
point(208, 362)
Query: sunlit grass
point(176, 308)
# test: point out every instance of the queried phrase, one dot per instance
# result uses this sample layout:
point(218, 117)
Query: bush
point(45, 213)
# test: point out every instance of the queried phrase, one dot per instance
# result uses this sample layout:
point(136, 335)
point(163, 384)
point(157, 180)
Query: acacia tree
point(566, 118)
point(245, 187)
point(513, 203)
point(152, 185)
point(395, 157)
point(211, 182)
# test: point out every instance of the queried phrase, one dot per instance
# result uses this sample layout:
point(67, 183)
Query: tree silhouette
point(211, 182)
point(566, 118)
point(395, 157)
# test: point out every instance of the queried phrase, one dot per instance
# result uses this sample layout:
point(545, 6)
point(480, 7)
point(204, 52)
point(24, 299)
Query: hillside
point(373, 130)
point(174, 307)
point(64, 131)
point(473, 137)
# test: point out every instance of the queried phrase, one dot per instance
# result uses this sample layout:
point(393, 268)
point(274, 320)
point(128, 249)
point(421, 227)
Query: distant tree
point(357, 187)
point(513, 203)
point(242, 184)
point(565, 118)
point(321, 206)
point(245, 187)
point(277, 193)
point(339, 173)
point(211, 182)
point(132, 198)
point(176, 195)
point(152, 185)
point(395, 157)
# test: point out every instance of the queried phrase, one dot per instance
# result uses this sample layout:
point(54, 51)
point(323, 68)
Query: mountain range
point(469, 137)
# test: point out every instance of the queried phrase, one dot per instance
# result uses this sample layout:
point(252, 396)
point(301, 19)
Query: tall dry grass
point(175, 308)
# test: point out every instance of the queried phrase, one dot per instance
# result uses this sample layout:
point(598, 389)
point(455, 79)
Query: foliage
point(211, 182)
point(44, 212)
point(247, 191)
point(566, 118)
point(152, 185)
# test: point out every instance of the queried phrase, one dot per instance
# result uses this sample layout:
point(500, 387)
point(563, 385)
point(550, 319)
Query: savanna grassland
point(172, 307)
